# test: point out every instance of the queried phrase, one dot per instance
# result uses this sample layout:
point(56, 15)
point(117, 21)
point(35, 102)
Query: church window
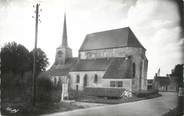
point(78, 79)
point(77, 87)
point(120, 83)
point(85, 80)
point(59, 53)
point(116, 83)
point(134, 69)
point(112, 83)
point(96, 78)
point(55, 81)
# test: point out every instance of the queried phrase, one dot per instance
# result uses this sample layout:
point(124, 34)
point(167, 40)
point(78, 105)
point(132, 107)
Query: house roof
point(122, 37)
point(162, 79)
point(119, 69)
point(62, 70)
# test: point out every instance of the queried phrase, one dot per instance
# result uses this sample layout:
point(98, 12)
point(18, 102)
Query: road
point(152, 107)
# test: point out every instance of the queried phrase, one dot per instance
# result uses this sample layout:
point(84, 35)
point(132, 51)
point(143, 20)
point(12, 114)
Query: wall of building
point(102, 83)
point(66, 53)
point(90, 79)
point(138, 57)
point(114, 52)
point(140, 79)
point(127, 83)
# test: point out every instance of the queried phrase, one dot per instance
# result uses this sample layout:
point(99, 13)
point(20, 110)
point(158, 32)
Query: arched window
point(77, 88)
point(96, 78)
point(55, 81)
point(134, 69)
point(59, 53)
point(85, 80)
point(78, 79)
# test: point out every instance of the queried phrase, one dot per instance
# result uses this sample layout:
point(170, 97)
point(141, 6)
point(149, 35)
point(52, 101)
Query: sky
point(154, 22)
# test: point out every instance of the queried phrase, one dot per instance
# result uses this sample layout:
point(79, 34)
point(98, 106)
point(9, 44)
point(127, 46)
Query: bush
point(43, 90)
point(174, 112)
point(146, 93)
point(73, 94)
point(46, 91)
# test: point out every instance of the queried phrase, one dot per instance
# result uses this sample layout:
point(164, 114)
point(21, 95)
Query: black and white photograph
point(92, 57)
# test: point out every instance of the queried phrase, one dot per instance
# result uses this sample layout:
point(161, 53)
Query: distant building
point(108, 59)
point(165, 83)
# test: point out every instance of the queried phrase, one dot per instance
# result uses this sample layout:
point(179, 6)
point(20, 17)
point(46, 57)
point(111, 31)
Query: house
point(165, 83)
point(113, 59)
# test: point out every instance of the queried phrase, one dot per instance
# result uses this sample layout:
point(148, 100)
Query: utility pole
point(35, 54)
point(180, 109)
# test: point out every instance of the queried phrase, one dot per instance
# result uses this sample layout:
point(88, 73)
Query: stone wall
point(101, 83)
point(127, 83)
point(66, 53)
point(139, 81)
point(114, 52)
point(90, 79)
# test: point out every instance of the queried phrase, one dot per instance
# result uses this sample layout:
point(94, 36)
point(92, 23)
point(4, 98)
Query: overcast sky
point(154, 22)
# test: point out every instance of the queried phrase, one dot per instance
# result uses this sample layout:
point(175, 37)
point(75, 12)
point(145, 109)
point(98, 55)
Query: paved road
point(151, 107)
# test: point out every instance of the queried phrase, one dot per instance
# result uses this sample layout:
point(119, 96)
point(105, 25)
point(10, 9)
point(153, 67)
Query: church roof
point(119, 69)
point(62, 70)
point(115, 38)
point(115, 68)
point(100, 64)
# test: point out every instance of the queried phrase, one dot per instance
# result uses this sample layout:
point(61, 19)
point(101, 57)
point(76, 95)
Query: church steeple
point(63, 52)
point(64, 39)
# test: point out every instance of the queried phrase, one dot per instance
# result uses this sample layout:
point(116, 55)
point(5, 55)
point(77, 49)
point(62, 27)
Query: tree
point(14, 58)
point(41, 60)
point(177, 74)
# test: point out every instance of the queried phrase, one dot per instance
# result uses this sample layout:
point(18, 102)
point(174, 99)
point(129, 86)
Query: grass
point(18, 99)
point(173, 112)
point(47, 108)
point(42, 108)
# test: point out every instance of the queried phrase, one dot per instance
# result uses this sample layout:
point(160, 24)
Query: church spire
point(64, 39)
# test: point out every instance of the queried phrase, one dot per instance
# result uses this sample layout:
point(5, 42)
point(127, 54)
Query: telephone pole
point(35, 54)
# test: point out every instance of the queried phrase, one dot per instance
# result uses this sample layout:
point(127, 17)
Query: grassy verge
point(42, 108)
point(173, 112)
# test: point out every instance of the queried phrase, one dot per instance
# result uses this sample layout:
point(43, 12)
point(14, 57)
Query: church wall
point(90, 79)
point(138, 57)
point(145, 64)
point(114, 52)
point(135, 84)
point(140, 79)
point(66, 53)
point(101, 83)
point(127, 83)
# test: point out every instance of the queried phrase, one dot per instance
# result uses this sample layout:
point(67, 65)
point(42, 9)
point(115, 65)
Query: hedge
point(145, 93)
point(104, 92)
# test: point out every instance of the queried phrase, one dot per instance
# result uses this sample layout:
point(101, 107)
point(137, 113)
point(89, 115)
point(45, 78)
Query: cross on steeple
point(64, 39)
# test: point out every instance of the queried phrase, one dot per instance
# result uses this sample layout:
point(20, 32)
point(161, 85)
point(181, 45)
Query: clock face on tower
point(59, 53)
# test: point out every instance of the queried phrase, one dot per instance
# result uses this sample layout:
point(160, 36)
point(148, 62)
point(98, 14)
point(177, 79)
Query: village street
point(151, 107)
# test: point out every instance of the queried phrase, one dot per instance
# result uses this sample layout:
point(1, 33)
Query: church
point(108, 59)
